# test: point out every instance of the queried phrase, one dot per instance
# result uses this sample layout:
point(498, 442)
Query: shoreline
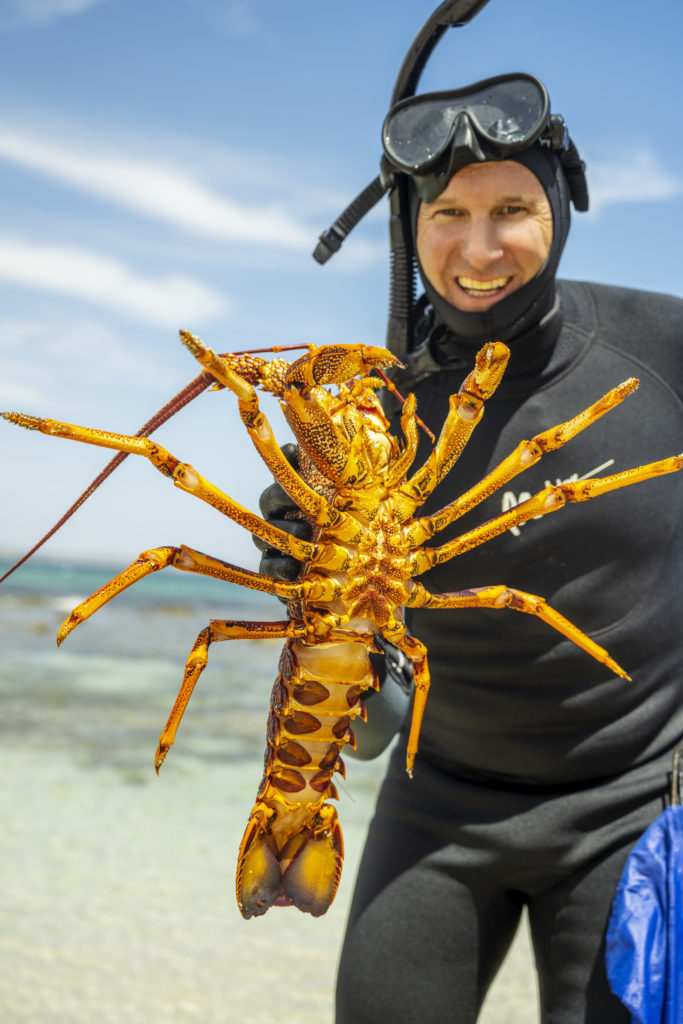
point(119, 904)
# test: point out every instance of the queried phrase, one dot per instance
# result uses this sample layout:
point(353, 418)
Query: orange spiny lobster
point(355, 485)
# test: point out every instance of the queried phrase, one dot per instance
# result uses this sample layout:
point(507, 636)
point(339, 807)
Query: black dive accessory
point(450, 14)
point(428, 138)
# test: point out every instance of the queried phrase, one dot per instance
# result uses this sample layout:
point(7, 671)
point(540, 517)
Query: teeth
point(471, 285)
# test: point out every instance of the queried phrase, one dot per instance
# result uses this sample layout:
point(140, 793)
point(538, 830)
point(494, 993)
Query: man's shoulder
point(644, 326)
point(621, 298)
point(615, 311)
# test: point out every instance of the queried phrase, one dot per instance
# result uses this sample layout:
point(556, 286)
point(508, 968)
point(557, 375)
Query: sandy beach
point(117, 902)
point(118, 906)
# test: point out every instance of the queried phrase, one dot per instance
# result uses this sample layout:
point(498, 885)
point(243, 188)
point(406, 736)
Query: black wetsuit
point(538, 769)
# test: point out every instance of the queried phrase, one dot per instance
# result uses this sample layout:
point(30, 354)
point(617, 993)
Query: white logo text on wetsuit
point(510, 499)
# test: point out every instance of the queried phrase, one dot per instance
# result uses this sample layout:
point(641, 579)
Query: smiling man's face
point(486, 235)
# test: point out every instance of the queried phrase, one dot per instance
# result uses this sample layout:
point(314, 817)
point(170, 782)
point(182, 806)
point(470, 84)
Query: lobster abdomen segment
point(292, 850)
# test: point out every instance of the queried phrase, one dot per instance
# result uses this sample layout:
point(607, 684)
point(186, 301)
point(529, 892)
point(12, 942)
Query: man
point(538, 769)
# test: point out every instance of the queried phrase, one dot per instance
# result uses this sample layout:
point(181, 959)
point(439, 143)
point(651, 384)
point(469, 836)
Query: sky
point(170, 165)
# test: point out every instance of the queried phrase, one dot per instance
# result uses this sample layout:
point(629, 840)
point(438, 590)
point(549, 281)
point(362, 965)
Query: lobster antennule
point(337, 364)
point(305, 873)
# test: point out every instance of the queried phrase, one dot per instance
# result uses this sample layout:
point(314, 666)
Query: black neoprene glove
point(275, 505)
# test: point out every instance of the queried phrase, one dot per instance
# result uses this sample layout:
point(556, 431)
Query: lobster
point(357, 487)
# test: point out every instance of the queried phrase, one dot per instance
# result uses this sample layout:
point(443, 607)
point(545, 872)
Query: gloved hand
point(275, 504)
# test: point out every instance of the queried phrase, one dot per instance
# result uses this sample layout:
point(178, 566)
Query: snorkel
point(426, 140)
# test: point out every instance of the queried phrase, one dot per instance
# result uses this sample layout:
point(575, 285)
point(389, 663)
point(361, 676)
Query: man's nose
point(482, 245)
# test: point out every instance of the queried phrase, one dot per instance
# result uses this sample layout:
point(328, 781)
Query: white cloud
point(156, 190)
point(631, 177)
point(52, 363)
point(166, 302)
point(234, 17)
point(16, 393)
point(29, 13)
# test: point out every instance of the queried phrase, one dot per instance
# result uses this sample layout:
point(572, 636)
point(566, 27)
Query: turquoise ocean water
point(117, 897)
point(105, 694)
point(117, 901)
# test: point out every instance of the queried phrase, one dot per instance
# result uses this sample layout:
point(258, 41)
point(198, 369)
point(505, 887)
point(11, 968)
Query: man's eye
point(510, 211)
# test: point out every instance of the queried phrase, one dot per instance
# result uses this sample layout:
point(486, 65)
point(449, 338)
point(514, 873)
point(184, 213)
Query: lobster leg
point(526, 454)
point(188, 560)
point(416, 652)
point(187, 479)
point(218, 629)
point(400, 467)
point(500, 596)
point(547, 500)
point(466, 409)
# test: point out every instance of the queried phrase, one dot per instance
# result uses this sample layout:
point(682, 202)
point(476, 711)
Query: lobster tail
point(292, 849)
point(305, 874)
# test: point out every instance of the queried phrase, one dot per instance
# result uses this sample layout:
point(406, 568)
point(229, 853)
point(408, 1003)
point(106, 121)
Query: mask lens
point(509, 113)
point(417, 134)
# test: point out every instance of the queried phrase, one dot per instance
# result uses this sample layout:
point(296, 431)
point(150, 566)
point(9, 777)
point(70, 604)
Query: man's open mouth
point(482, 289)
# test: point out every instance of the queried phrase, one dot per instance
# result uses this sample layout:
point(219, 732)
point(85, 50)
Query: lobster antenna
point(188, 393)
point(271, 348)
point(174, 405)
point(394, 390)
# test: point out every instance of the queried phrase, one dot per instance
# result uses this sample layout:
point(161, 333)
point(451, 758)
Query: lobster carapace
point(357, 488)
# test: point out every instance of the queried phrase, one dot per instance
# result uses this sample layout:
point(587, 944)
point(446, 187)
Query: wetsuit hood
point(535, 301)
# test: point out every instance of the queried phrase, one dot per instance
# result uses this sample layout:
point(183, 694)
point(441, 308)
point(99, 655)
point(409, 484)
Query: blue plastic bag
point(644, 955)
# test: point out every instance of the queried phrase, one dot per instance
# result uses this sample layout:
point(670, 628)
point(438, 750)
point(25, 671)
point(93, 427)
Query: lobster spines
point(489, 367)
point(337, 364)
point(268, 374)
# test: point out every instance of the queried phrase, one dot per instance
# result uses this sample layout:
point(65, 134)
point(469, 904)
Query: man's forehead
point(505, 178)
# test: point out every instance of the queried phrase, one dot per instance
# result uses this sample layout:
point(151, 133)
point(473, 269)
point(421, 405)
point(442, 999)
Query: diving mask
point(431, 136)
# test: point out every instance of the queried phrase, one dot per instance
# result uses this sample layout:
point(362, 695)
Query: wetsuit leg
point(448, 865)
point(568, 925)
point(421, 945)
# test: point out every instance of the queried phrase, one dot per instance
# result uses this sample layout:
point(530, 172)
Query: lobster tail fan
point(311, 880)
point(305, 874)
point(259, 879)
